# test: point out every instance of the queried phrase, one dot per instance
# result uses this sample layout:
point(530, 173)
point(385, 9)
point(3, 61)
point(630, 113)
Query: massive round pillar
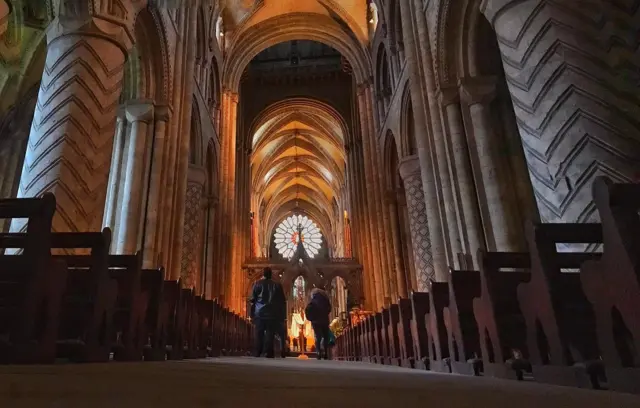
point(572, 71)
point(419, 224)
point(71, 139)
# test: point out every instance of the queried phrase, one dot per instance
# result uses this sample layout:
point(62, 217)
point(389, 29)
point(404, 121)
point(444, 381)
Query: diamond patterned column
point(419, 224)
point(192, 232)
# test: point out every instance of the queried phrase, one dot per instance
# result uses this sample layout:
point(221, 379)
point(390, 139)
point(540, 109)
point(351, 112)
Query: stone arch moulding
point(298, 26)
point(150, 80)
point(404, 142)
point(390, 148)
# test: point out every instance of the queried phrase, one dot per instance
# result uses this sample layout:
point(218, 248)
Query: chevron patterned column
point(572, 69)
point(418, 222)
point(71, 139)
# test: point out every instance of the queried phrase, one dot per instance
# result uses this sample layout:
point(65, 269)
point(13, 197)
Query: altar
point(301, 333)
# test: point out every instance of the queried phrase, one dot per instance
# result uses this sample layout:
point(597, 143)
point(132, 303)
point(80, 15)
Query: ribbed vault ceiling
point(298, 162)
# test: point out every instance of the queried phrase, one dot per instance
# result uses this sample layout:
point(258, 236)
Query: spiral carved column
point(572, 73)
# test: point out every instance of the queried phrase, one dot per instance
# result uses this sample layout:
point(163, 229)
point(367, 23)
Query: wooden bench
point(501, 326)
point(157, 316)
point(419, 335)
point(559, 319)
point(129, 316)
point(378, 340)
point(218, 329)
point(355, 342)
point(175, 302)
point(87, 311)
point(460, 322)
point(391, 319)
point(405, 341)
point(612, 284)
point(436, 329)
point(365, 339)
point(32, 284)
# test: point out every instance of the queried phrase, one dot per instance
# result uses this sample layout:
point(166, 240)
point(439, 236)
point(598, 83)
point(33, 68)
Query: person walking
point(268, 311)
point(317, 312)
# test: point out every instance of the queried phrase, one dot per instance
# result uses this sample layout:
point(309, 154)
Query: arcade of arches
point(409, 133)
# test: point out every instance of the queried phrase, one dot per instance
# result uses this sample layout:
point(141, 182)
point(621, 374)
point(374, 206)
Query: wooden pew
point(175, 303)
point(436, 329)
point(405, 341)
point(419, 335)
point(32, 284)
point(392, 338)
point(157, 316)
point(501, 326)
point(190, 324)
point(378, 339)
point(462, 329)
point(612, 284)
point(365, 339)
point(86, 327)
point(218, 328)
point(559, 318)
point(206, 327)
point(355, 342)
point(130, 312)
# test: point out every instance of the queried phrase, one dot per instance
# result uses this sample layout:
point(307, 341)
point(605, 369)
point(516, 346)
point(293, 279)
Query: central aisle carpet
point(290, 383)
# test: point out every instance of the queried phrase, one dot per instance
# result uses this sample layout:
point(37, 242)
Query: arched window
point(373, 18)
point(220, 32)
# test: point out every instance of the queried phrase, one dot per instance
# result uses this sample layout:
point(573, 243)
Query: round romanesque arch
point(298, 26)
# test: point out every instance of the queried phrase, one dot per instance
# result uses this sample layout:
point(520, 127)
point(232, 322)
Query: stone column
point(159, 174)
point(374, 217)
point(419, 223)
point(498, 212)
point(466, 198)
point(135, 175)
point(192, 238)
point(71, 139)
point(420, 104)
point(4, 16)
point(401, 283)
point(575, 93)
point(115, 173)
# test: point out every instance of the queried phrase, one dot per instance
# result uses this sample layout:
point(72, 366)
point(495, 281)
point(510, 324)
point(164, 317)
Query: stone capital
point(448, 95)
point(118, 32)
point(139, 111)
point(478, 90)
point(409, 166)
point(162, 113)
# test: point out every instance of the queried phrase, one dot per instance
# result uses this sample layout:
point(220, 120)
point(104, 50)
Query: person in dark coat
point(317, 312)
point(268, 311)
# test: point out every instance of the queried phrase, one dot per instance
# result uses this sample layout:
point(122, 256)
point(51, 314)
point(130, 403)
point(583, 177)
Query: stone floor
point(240, 382)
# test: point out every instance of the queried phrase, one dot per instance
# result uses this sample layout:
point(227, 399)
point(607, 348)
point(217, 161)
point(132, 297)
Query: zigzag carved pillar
point(572, 71)
point(419, 224)
point(71, 139)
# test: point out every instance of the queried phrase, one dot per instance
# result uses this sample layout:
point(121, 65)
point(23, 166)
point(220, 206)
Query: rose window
point(287, 236)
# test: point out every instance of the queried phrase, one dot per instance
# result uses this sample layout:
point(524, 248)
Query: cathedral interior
point(461, 176)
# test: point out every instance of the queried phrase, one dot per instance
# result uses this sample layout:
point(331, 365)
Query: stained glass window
point(286, 236)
